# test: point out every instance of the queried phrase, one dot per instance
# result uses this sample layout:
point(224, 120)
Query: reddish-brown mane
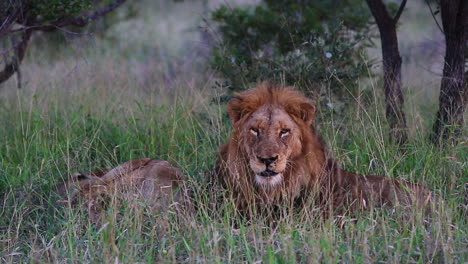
point(265, 93)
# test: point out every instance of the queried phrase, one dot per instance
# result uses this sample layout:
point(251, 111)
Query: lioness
point(274, 155)
point(156, 182)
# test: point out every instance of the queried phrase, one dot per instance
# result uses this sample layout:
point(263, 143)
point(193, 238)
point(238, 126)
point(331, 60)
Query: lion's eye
point(254, 131)
point(284, 132)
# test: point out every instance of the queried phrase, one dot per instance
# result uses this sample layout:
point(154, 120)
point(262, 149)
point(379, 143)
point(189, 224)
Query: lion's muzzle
point(266, 166)
point(269, 164)
point(266, 170)
point(267, 161)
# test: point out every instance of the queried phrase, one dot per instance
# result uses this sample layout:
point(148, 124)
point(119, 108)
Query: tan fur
point(155, 182)
point(276, 122)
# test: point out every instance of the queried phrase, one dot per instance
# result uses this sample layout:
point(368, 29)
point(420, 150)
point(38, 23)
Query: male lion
point(274, 156)
point(155, 182)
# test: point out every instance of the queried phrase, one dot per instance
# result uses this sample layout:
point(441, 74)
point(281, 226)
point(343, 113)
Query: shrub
point(310, 44)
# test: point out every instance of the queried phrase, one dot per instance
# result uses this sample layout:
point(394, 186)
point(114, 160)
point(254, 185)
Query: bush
point(55, 9)
point(304, 43)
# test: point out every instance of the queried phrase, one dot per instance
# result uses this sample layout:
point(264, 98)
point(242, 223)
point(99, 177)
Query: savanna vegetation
point(151, 79)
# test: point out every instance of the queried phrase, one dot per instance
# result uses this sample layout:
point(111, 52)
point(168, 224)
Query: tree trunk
point(20, 51)
point(392, 68)
point(453, 90)
point(392, 85)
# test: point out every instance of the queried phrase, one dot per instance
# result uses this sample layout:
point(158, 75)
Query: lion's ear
point(307, 112)
point(303, 110)
point(234, 109)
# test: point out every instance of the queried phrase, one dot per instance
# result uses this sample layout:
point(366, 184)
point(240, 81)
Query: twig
point(400, 11)
point(7, 50)
point(433, 16)
point(9, 20)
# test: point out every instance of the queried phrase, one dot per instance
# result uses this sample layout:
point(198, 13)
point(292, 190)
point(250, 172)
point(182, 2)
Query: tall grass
point(42, 145)
point(94, 106)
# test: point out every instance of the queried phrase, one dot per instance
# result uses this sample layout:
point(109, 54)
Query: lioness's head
point(270, 123)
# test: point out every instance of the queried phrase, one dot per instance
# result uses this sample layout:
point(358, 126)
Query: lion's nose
point(268, 161)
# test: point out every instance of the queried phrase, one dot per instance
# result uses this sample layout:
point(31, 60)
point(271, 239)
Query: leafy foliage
point(45, 10)
point(305, 43)
point(56, 9)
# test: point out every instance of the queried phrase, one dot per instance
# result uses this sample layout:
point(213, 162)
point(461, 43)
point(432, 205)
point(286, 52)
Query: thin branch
point(106, 10)
point(433, 16)
point(400, 11)
point(8, 50)
point(8, 22)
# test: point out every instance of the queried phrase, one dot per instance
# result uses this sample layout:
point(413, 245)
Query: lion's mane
point(310, 172)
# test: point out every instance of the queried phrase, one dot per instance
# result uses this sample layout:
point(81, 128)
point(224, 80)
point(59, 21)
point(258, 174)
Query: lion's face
point(270, 126)
point(271, 140)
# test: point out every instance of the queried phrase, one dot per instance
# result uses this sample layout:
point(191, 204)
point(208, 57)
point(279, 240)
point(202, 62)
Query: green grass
point(42, 145)
point(95, 104)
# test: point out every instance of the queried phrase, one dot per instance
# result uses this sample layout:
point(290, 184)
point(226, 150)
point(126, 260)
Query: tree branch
point(20, 51)
point(400, 11)
point(8, 22)
point(433, 16)
point(105, 10)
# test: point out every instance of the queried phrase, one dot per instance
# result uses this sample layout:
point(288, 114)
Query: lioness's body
point(156, 182)
point(274, 156)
